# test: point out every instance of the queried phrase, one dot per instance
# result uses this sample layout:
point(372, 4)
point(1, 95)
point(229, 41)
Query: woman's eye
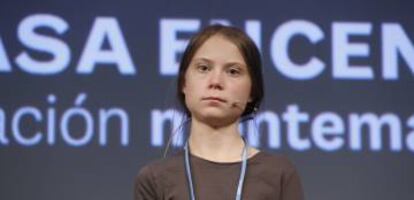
point(234, 71)
point(202, 68)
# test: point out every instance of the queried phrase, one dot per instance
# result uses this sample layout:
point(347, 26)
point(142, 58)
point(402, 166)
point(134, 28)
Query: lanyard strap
point(241, 178)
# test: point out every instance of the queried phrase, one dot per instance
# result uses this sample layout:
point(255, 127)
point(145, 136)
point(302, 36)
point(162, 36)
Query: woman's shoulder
point(152, 177)
point(275, 168)
point(278, 169)
point(274, 161)
point(162, 165)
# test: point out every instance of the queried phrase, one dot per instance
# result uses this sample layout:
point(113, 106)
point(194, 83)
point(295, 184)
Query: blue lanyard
point(241, 178)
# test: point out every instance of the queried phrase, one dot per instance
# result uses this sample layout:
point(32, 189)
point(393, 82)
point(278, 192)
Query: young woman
point(219, 84)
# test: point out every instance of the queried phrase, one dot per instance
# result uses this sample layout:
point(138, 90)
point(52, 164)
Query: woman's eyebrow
point(228, 63)
point(202, 59)
point(235, 63)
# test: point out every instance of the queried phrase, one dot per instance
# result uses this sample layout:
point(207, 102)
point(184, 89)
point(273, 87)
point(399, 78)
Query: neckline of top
point(250, 159)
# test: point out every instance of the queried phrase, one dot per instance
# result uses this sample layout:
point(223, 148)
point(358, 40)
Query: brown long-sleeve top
point(268, 176)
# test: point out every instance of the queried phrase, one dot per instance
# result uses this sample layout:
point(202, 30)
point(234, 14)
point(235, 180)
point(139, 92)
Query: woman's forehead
point(219, 48)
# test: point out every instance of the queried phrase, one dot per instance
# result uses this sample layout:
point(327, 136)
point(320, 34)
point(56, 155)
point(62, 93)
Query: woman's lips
point(214, 99)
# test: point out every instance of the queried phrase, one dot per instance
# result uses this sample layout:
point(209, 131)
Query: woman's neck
point(219, 144)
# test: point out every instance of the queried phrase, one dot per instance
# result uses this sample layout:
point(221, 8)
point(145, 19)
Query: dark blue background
point(106, 172)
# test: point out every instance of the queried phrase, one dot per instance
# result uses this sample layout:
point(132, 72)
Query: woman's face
point(217, 83)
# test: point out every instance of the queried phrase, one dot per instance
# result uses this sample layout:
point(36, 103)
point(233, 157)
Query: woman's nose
point(216, 80)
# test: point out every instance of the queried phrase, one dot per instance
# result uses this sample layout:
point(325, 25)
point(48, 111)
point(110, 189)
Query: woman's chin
point(217, 118)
